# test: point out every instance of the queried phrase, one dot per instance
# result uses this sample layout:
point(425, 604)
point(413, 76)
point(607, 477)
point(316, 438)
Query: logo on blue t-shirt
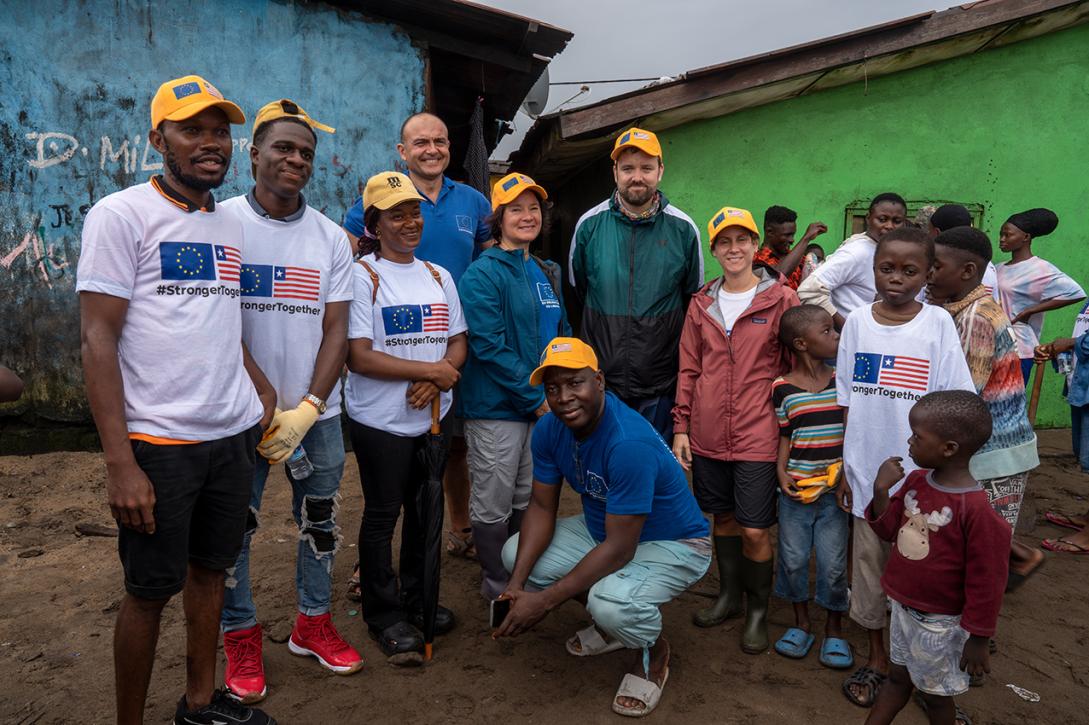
point(465, 223)
point(596, 486)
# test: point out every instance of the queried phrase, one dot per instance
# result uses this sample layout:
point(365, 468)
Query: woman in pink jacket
point(725, 427)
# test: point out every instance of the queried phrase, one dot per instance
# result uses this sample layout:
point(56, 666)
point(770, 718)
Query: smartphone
point(499, 610)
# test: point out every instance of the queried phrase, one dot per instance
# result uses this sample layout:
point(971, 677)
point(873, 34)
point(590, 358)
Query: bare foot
point(659, 665)
point(1025, 560)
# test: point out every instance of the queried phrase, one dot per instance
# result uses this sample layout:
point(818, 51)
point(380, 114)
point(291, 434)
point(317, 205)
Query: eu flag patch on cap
point(186, 89)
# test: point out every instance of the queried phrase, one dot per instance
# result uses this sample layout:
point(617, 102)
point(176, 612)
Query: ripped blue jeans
point(314, 507)
point(625, 604)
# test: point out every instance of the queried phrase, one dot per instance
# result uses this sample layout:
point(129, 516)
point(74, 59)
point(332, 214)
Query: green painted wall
point(1004, 128)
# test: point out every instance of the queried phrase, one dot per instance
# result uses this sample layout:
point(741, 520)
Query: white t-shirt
point(412, 319)
point(732, 304)
point(290, 271)
point(848, 274)
point(891, 368)
point(181, 345)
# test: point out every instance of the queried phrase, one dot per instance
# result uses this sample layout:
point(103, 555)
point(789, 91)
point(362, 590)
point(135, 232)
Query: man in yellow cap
point(179, 403)
point(639, 542)
point(635, 261)
point(296, 279)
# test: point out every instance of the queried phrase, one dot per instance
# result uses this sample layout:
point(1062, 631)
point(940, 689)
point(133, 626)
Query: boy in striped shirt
point(810, 440)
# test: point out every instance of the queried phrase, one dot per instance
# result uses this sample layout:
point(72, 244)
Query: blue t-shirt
point(623, 468)
point(454, 227)
point(548, 314)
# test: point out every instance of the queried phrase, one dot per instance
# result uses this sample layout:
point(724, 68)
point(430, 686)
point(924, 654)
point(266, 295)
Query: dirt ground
point(60, 592)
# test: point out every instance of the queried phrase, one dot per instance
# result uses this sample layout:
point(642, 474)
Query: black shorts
point(744, 488)
point(202, 497)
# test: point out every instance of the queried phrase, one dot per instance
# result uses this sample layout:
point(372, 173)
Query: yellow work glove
point(286, 431)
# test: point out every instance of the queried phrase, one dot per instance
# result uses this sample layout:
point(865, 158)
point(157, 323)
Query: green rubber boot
point(728, 604)
point(756, 576)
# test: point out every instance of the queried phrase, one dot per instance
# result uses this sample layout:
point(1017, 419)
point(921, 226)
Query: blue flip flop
point(795, 643)
point(836, 654)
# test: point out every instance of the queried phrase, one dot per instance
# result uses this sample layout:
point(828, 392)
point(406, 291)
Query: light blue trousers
point(625, 604)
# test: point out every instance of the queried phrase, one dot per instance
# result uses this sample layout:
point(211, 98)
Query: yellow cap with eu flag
point(187, 96)
point(511, 186)
point(637, 138)
point(564, 352)
point(729, 216)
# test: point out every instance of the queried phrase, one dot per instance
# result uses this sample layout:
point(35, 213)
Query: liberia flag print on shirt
point(894, 371)
point(412, 317)
point(892, 367)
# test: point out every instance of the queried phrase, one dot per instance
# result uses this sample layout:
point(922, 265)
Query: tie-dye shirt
point(989, 347)
point(1029, 283)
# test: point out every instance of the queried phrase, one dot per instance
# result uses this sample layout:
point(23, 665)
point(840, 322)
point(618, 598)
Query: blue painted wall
point(78, 79)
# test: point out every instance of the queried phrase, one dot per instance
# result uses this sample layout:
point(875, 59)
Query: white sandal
point(591, 643)
point(637, 688)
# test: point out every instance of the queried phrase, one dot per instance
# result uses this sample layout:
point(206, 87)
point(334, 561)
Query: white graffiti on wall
point(128, 153)
point(33, 246)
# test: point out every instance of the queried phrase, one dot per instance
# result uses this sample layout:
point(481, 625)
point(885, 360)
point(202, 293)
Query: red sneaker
point(245, 674)
point(318, 637)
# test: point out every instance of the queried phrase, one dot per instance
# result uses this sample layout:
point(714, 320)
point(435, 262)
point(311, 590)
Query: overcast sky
point(643, 39)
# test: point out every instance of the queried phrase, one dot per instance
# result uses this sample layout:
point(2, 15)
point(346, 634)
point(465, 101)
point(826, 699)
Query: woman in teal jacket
point(512, 305)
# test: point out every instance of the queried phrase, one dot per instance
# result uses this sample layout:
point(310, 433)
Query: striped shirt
point(814, 423)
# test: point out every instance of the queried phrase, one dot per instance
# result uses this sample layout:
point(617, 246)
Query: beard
point(193, 182)
point(638, 197)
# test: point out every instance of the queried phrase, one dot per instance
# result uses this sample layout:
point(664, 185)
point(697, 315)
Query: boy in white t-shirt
point(406, 346)
point(166, 375)
point(891, 353)
point(296, 280)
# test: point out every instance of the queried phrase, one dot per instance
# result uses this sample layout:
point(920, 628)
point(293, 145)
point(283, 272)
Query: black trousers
point(391, 473)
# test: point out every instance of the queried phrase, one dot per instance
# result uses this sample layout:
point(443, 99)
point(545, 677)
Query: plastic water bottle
point(298, 463)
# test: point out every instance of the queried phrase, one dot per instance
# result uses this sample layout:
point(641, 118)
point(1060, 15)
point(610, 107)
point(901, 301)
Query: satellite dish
point(537, 97)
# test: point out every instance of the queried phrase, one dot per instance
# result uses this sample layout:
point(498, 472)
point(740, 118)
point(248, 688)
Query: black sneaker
point(222, 710)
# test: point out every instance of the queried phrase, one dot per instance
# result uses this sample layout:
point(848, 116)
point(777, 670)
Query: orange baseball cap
point(187, 96)
point(286, 108)
point(511, 186)
point(729, 216)
point(637, 138)
point(564, 352)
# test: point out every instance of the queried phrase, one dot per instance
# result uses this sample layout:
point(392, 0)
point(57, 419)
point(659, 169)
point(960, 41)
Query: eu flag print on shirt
point(186, 261)
point(266, 280)
point(893, 371)
point(406, 319)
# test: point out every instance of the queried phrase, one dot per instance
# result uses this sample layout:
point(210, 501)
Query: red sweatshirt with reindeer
point(950, 552)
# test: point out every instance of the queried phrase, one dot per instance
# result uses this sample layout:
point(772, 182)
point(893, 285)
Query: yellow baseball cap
point(729, 216)
point(564, 352)
point(187, 96)
point(637, 138)
point(388, 189)
point(511, 186)
point(286, 108)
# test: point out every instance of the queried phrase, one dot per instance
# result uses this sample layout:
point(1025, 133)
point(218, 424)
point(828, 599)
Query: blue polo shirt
point(623, 468)
point(454, 226)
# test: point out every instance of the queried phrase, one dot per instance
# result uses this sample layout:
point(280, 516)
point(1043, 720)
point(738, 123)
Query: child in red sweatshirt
point(943, 611)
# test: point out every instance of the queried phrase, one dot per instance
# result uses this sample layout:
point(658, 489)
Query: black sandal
point(864, 677)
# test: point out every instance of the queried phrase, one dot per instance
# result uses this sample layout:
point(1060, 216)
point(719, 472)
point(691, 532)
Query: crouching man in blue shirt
point(639, 543)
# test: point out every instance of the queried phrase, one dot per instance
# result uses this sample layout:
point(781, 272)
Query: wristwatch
point(315, 401)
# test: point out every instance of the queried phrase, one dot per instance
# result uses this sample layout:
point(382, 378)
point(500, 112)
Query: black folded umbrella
point(430, 505)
